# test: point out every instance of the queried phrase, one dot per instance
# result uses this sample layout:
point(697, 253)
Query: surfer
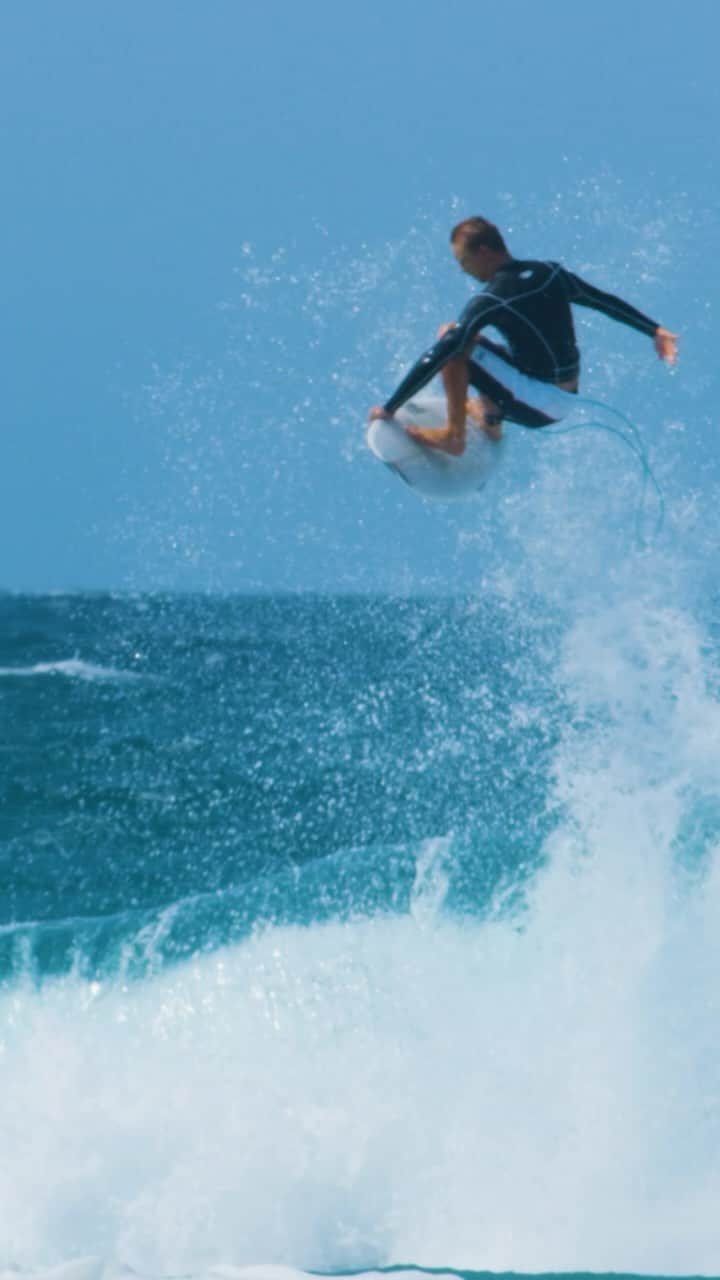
point(529, 378)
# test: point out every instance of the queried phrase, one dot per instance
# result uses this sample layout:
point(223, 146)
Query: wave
point(98, 1269)
point(347, 885)
point(344, 1093)
point(73, 668)
point(351, 1093)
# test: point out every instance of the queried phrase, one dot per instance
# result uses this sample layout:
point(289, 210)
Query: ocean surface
point(346, 932)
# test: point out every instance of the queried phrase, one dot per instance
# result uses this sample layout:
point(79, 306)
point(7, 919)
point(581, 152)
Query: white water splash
point(532, 1093)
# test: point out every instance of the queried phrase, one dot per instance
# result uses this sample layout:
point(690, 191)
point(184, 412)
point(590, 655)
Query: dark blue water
point(257, 759)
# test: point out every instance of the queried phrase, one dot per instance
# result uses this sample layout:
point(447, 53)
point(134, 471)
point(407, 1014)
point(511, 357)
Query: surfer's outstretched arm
point(423, 371)
point(587, 295)
point(455, 341)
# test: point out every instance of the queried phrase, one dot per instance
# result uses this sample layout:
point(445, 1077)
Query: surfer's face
point(479, 262)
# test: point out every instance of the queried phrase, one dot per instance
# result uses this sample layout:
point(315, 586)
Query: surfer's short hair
point(477, 233)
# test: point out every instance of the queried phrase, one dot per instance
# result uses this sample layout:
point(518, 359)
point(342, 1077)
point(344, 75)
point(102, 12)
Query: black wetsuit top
point(529, 304)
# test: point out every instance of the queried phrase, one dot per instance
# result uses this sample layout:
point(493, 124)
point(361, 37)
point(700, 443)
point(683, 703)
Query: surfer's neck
point(483, 263)
point(492, 263)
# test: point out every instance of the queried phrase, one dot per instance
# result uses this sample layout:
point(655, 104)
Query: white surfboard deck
point(431, 472)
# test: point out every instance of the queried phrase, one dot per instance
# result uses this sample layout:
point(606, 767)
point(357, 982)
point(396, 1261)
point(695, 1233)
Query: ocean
point(349, 932)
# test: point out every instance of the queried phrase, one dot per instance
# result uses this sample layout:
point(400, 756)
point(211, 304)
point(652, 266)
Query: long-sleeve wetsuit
point(529, 304)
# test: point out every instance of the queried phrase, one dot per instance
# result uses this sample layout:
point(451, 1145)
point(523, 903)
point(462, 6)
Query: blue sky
point(225, 231)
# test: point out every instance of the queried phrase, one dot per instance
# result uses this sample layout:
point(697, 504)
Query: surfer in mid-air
point(518, 380)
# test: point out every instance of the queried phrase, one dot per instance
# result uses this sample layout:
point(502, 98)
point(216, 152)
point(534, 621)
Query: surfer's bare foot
point(485, 416)
point(438, 438)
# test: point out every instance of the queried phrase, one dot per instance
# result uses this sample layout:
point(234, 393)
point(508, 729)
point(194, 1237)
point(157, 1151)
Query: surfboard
point(430, 472)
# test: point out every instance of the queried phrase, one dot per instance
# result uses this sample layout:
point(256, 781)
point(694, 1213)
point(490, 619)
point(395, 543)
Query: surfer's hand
point(445, 328)
point(666, 344)
point(377, 411)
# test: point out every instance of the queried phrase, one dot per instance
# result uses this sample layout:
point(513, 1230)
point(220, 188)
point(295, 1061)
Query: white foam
point(73, 668)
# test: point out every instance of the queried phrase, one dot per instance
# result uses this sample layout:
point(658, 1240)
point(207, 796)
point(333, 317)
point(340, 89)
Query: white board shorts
point(519, 398)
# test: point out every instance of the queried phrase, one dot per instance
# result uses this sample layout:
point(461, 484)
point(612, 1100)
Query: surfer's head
point(478, 247)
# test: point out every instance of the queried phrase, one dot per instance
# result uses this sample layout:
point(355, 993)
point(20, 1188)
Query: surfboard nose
point(432, 473)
